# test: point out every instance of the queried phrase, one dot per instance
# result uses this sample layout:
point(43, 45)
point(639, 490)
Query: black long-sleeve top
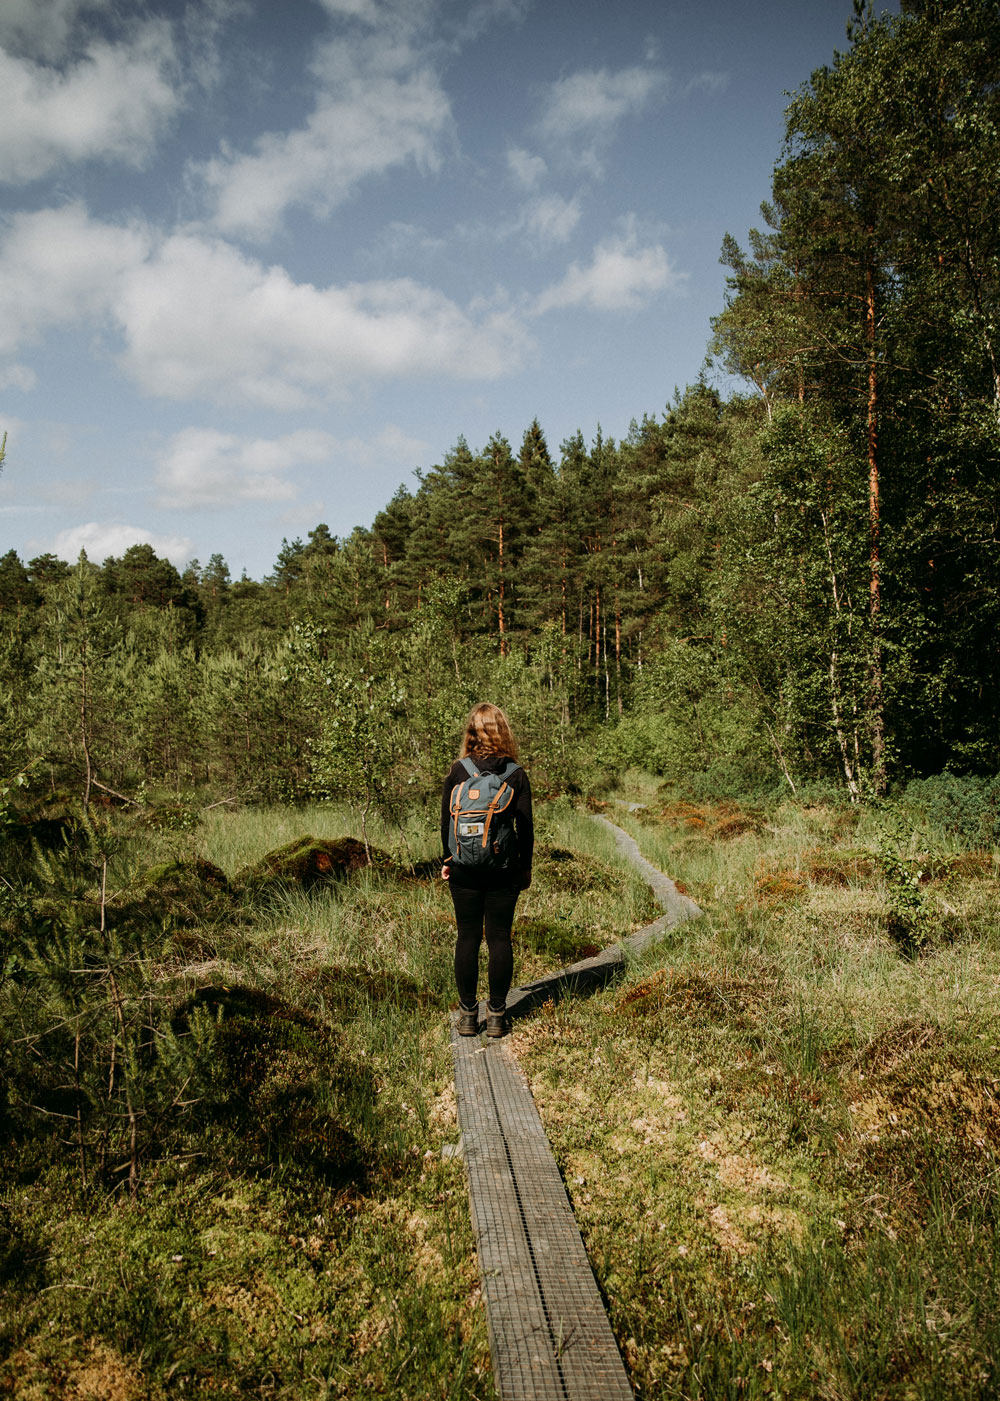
point(524, 827)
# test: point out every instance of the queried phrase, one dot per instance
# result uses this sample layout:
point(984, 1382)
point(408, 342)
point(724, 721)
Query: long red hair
point(488, 732)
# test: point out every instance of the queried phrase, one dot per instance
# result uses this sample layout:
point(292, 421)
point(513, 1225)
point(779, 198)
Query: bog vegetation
point(224, 961)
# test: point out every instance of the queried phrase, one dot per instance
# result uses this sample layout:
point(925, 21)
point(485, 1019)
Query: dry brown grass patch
point(837, 868)
point(772, 886)
point(898, 1044)
point(98, 1374)
point(716, 821)
point(690, 994)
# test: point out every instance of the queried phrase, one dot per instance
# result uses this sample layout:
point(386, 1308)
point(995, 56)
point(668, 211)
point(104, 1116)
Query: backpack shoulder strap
point(470, 766)
point(511, 768)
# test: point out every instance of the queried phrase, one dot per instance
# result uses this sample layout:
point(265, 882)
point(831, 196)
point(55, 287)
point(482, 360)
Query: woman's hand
point(526, 878)
point(446, 870)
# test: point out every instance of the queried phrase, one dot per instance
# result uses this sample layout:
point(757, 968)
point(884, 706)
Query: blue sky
point(259, 261)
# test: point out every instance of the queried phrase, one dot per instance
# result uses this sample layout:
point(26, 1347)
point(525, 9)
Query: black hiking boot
point(468, 1021)
point(496, 1022)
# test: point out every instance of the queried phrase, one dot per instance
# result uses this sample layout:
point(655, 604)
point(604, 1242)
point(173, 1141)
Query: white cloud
point(16, 376)
point(200, 319)
point(203, 467)
point(380, 106)
point(707, 82)
point(620, 276)
point(58, 266)
point(365, 10)
point(110, 104)
point(593, 102)
point(100, 541)
point(550, 219)
point(392, 447)
point(528, 170)
point(43, 28)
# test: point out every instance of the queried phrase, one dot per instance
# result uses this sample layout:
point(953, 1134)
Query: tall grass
point(293, 1230)
point(782, 1133)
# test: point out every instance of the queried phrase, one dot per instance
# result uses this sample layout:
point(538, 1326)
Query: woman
point(484, 896)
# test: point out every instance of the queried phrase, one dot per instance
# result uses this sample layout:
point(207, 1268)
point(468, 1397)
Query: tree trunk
point(501, 621)
point(875, 585)
point(84, 736)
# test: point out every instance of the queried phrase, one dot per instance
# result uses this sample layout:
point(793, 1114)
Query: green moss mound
point(191, 892)
point(276, 1086)
point(309, 862)
point(570, 870)
point(560, 942)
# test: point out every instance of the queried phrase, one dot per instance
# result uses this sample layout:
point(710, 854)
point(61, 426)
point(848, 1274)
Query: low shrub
point(967, 807)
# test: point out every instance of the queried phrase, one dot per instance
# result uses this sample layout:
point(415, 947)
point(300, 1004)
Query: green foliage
point(794, 587)
point(967, 807)
point(910, 919)
point(189, 891)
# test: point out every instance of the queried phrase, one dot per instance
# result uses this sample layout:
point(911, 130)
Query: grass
point(293, 1231)
point(781, 1133)
point(780, 1130)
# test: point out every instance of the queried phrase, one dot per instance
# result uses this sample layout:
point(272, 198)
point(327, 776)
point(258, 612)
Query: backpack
point(481, 833)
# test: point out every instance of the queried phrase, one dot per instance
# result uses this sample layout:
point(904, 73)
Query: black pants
point(478, 912)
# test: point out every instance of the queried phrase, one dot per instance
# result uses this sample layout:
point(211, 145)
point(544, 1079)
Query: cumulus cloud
point(203, 467)
point(620, 276)
point(198, 318)
point(58, 266)
point(550, 219)
point(112, 104)
point(528, 170)
point(15, 376)
point(380, 105)
point(586, 107)
point(100, 541)
point(43, 28)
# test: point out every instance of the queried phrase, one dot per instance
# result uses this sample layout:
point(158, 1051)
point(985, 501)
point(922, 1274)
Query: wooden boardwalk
point(549, 1331)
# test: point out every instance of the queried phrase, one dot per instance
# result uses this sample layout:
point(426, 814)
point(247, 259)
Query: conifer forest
point(792, 582)
point(768, 621)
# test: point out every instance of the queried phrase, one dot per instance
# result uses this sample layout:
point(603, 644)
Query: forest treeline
point(793, 583)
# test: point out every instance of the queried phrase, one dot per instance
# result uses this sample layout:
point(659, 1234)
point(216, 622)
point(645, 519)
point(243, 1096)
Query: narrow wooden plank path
point(549, 1332)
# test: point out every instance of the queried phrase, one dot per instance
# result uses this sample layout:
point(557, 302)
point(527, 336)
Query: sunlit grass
point(781, 1132)
point(239, 1274)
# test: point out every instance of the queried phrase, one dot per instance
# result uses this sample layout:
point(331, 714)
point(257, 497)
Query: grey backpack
point(482, 830)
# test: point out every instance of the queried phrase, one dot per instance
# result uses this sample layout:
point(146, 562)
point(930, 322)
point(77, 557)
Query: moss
point(668, 994)
point(276, 1085)
point(189, 891)
point(719, 821)
point(308, 862)
point(561, 942)
point(572, 871)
